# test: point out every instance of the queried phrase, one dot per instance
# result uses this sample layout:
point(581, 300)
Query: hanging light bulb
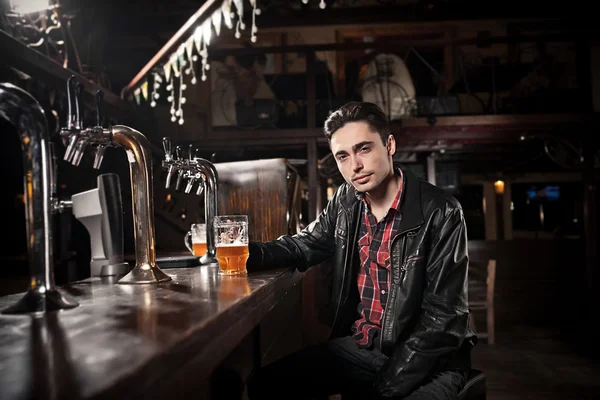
point(155, 86)
point(254, 29)
point(322, 4)
point(179, 112)
point(204, 54)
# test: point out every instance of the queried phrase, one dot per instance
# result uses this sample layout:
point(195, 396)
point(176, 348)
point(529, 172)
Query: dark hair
point(355, 112)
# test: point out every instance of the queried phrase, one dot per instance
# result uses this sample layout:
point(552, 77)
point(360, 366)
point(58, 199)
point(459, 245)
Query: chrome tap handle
point(179, 156)
point(200, 189)
point(79, 105)
point(72, 143)
point(79, 151)
point(70, 99)
point(100, 150)
point(168, 148)
point(99, 97)
point(179, 179)
point(190, 184)
point(170, 173)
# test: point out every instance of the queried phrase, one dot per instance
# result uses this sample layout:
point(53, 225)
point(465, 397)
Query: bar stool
point(475, 387)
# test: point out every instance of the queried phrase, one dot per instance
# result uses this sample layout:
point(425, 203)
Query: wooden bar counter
point(137, 341)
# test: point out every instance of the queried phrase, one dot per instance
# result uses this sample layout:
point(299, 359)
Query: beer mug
point(231, 242)
point(197, 234)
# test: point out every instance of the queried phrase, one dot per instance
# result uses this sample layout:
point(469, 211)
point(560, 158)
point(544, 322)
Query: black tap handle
point(191, 151)
point(178, 152)
point(99, 97)
point(79, 104)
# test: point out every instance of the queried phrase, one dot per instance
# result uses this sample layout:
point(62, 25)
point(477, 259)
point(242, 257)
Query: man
point(399, 248)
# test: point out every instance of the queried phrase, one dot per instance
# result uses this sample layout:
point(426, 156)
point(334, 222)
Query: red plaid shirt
point(374, 276)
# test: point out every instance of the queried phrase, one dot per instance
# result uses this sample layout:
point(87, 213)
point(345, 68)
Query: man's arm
point(443, 322)
point(313, 245)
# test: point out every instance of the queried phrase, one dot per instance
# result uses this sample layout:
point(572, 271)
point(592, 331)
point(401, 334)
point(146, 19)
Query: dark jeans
point(338, 366)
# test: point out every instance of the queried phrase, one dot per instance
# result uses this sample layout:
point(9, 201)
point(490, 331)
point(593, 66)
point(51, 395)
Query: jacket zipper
point(403, 269)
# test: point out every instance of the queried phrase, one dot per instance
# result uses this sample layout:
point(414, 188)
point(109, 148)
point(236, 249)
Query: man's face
point(362, 158)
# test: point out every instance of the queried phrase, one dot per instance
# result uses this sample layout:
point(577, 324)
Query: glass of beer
point(231, 242)
point(195, 239)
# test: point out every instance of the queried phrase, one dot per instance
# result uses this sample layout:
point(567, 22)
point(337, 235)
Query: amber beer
point(199, 249)
point(195, 239)
point(232, 258)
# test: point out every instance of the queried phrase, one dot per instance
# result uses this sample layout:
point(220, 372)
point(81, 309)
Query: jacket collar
point(410, 203)
point(411, 207)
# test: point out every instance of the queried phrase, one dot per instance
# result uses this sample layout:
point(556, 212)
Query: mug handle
point(187, 240)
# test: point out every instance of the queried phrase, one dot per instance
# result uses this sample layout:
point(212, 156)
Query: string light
point(155, 86)
point(255, 12)
point(182, 61)
point(179, 112)
point(239, 5)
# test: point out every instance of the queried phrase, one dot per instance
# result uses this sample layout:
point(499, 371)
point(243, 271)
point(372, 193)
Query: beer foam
point(234, 244)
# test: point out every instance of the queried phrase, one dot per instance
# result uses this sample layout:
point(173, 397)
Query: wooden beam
point(203, 13)
point(469, 129)
point(417, 42)
point(275, 18)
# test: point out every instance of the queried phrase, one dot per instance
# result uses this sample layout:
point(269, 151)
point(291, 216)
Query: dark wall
point(538, 282)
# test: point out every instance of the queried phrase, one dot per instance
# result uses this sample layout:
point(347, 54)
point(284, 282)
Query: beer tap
point(100, 148)
point(26, 114)
point(169, 162)
point(196, 169)
point(56, 205)
point(193, 175)
point(70, 139)
point(181, 172)
point(139, 154)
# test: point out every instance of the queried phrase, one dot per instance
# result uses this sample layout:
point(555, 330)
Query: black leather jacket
point(425, 323)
